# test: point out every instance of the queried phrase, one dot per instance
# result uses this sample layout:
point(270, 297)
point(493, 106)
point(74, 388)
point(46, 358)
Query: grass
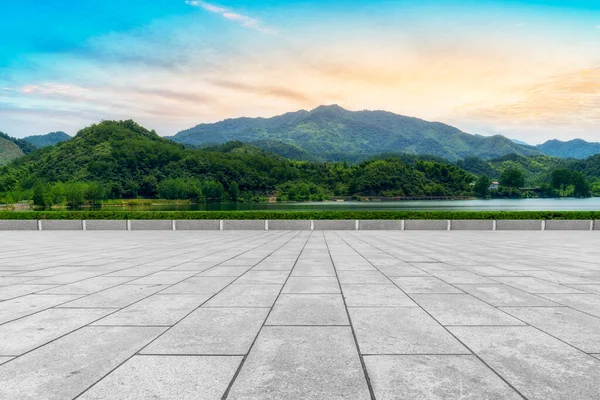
point(301, 215)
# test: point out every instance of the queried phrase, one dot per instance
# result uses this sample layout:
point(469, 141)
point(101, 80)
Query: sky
point(529, 69)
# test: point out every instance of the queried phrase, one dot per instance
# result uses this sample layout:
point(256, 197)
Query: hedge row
point(302, 215)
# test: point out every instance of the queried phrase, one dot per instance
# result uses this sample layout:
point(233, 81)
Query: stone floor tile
point(307, 284)
point(462, 309)
point(245, 296)
point(263, 277)
point(502, 295)
point(402, 330)
point(574, 327)
point(358, 295)
point(209, 331)
point(27, 333)
point(536, 364)
point(309, 309)
point(167, 378)
point(158, 309)
point(302, 363)
point(535, 285)
point(30, 304)
point(115, 297)
point(417, 284)
point(68, 366)
point(200, 285)
point(588, 303)
point(435, 377)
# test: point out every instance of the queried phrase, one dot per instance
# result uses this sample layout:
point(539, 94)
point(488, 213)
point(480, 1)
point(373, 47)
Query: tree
point(512, 177)
point(75, 193)
point(38, 195)
point(482, 186)
point(213, 190)
point(561, 179)
point(233, 191)
point(581, 187)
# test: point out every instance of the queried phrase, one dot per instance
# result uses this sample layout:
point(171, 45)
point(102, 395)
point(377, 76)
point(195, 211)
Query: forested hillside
point(124, 160)
point(331, 133)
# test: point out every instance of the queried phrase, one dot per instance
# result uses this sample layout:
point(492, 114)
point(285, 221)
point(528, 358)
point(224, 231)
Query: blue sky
point(526, 69)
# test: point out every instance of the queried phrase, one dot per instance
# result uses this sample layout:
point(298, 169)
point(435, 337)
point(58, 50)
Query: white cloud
point(244, 20)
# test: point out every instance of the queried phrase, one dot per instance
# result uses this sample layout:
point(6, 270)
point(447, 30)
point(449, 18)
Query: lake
point(565, 204)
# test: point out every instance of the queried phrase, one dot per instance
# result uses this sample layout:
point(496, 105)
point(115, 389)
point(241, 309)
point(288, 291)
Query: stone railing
point(362, 225)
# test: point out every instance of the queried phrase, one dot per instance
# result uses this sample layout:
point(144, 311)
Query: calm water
point(455, 205)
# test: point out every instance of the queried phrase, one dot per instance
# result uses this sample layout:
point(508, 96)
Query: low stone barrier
point(318, 225)
point(472, 225)
point(426, 225)
point(105, 225)
point(61, 225)
point(519, 225)
point(151, 225)
point(381, 225)
point(197, 225)
point(18, 225)
point(244, 225)
point(289, 225)
point(568, 225)
point(334, 225)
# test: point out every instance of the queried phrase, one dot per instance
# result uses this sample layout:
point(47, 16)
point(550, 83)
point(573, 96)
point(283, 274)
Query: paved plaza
point(300, 315)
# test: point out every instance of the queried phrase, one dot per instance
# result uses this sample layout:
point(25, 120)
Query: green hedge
point(336, 215)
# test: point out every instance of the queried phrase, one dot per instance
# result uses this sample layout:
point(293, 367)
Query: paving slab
point(210, 331)
point(576, 328)
point(536, 364)
point(167, 378)
point(536, 285)
point(367, 295)
point(143, 314)
point(502, 295)
point(403, 330)
point(27, 333)
point(200, 285)
point(246, 296)
point(68, 366)
point(306, 284)
point(418, 284)
point(30, 304)
point(462, 309)
point(159, 309)
point(435, 377)
point(302, 363)
point(309, 309)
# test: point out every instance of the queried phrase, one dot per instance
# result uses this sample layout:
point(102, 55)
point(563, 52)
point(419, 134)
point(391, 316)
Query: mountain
point(520, 142)
point(8, 151)
point(25, 146)
point(121, 159)
point(333, 133)
point(49, 139)
point(576, 148)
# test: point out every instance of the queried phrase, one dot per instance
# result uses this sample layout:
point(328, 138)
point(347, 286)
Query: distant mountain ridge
point(331, 133)
point(49, 139)
point(576, 148)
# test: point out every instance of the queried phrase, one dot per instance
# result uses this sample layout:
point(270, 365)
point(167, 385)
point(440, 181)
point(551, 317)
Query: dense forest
point(113, 160)
point(123, 160)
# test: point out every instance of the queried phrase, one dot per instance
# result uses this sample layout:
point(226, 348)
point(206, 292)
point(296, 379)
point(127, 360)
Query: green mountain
point(333, 133)
point(8, 151)
point(25, 146)
point(49, 139)
point(124, 160)
point(576, 148)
